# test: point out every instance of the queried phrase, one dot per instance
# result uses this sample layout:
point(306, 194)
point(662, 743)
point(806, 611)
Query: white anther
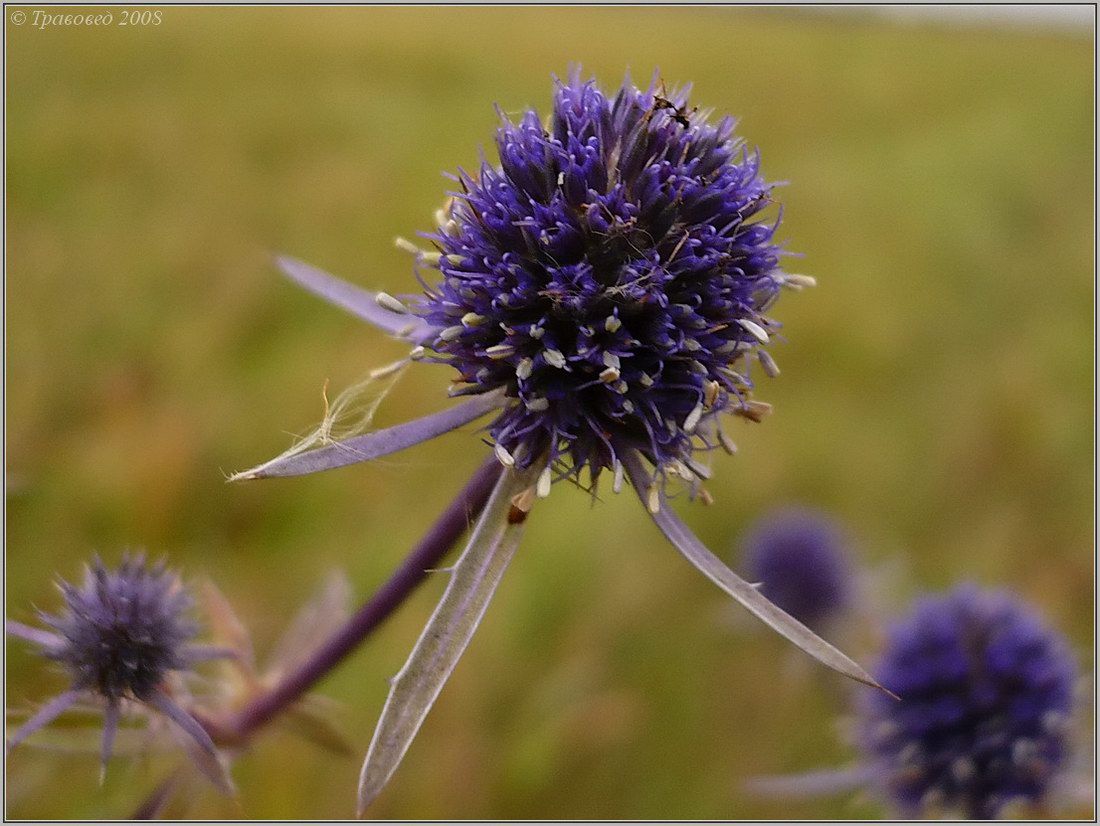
point(561, 178)
point(702, 471)
point(609, 375)
point(536, 332)
point(768, 363)
point(692, 345)
point(710, 393)
point(451, 333)
point(645, 380)
point(754, 330)
point(554, 358)
point(503, 456)
point(612, 323)
point(432, 259)
point(542, 488)
point(500, 351)
point(726, 442)
point(453, 260)
point(693, 418)
point(611, 360)
point(653, 498)
point(628, 406)
point(963, 769)
point(678, 468)
point(407, 330)
point(523, 369)
point(1023, 750)
point(472, 319)
point(416, 353)
point(407, 246)
point(538, 404)
point(733, 376)
point(617, 482)
point(799, 281)
point(756, 410)
point(388, 302)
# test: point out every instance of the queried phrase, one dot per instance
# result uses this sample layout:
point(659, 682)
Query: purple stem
point(432, 547)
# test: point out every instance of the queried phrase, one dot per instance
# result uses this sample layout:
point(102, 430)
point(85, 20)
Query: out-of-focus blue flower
point(986, 693)
point(119, 636)
point(983, 720)
point(800, 558)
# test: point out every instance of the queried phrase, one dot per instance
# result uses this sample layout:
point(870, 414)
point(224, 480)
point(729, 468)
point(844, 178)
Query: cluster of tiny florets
point(123, 630)
point(800, 557)
point(986, 693)
point(608, 276)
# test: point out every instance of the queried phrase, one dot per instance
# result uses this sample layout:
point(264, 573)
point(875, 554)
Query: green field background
point(936, 393)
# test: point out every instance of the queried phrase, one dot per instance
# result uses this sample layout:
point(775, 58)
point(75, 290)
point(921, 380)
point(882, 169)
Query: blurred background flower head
point(120, 637)
point(802, 560)
point(987, 693)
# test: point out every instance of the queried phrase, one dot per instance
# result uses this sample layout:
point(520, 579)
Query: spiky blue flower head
point(119, 636)
point(124, 629)
point(986, 692)
point(800, 557)
point(610, 276)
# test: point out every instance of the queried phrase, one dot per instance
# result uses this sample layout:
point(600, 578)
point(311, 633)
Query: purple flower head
point(609, 277)
point(986, 693)
point(801, 559)
point(124, 630)
point(602, 293)
point(119, 636)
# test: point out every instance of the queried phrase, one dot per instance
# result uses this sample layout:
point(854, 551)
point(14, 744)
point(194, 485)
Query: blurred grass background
point(936, 391)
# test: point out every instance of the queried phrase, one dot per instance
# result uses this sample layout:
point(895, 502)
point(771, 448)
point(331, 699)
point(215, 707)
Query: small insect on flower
point(119, 636)
point(800, 557)
point(602, 291)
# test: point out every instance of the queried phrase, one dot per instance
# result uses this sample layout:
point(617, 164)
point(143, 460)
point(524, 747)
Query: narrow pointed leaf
point(701, 557)
point(167, 706)
point(373, 445)
point(44, 716)
point(473, 582)
point(356, 300)
point(200, 748)
point(47, 639)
